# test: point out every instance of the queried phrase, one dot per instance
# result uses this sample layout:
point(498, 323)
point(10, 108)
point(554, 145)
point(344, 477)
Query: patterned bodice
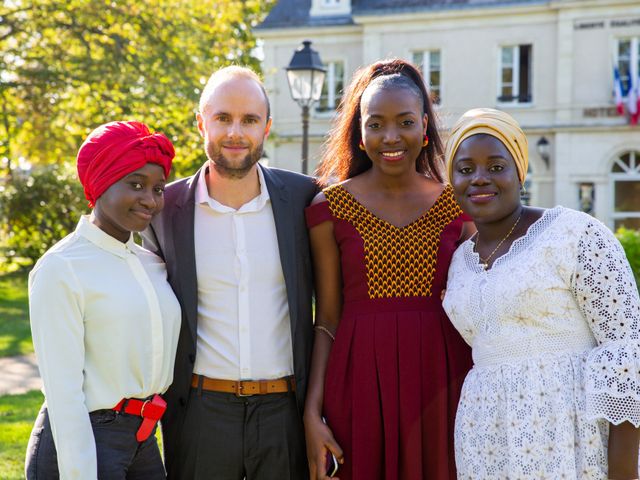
point(399, 261)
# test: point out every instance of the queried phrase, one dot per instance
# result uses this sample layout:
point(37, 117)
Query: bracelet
point(325, 330)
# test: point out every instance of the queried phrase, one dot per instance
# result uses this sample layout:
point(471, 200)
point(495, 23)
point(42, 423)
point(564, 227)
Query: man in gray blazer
point(235, 242)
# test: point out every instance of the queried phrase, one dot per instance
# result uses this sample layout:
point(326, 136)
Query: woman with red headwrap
point(104, 320)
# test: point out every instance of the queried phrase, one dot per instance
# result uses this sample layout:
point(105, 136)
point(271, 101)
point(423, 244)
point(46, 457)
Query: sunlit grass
point(17, 414)
point(15, 333)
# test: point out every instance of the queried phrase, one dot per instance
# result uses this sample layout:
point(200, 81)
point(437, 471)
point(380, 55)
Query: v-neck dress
point(555, 331)
point(397, 364)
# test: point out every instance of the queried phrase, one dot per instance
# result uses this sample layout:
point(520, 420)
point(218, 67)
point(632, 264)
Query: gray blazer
point(171, 236)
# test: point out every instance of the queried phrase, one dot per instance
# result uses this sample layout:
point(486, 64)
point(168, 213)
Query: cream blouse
point(105, 326)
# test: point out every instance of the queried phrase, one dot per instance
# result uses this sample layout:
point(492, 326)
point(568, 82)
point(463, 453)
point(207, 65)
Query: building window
point(515, 74)
point(332, 87)
point(628, 53)
point(625, 176)
point(428, 62)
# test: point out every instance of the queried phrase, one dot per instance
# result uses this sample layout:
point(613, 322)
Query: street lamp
point(544, 150)
point(305, 75)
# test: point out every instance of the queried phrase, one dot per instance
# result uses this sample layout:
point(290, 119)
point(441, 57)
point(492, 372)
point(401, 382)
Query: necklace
point(484, 262)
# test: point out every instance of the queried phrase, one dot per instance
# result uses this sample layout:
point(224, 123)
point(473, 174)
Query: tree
point(40, 208)
point(630, 240)
point(67, 67)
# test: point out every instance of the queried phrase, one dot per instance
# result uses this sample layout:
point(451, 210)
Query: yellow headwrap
point(492, 122)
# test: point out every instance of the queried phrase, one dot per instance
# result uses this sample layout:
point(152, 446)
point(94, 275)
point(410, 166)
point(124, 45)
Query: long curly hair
point(342, 159)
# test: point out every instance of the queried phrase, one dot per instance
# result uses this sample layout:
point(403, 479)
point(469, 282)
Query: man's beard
point(228, 169)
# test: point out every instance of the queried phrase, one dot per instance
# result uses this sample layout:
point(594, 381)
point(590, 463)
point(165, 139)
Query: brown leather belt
point(245, 388)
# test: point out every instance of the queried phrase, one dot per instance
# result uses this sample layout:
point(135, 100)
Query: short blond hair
point(232, 71)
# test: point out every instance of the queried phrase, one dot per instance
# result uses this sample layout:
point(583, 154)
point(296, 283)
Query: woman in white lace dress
point(548, 302)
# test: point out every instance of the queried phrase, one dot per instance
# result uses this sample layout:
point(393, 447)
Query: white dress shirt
point(105, 326)
point(243, 314)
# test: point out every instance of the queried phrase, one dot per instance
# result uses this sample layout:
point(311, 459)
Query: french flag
point(617, 91)
point(633, 101)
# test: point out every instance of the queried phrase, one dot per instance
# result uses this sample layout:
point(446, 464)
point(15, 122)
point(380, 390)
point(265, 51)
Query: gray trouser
point(120, 456)
point(225, 437)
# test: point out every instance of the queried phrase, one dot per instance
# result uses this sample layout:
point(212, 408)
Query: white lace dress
point(554, 326)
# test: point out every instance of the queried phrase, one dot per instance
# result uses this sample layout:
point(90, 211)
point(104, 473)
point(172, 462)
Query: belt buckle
point(239, 389)
point(144, 405)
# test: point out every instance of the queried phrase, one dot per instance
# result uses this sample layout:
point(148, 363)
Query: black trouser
point(225, 437)
point(120, 456)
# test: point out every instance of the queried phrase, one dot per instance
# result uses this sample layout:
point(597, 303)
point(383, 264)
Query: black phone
point(330, 461)
point(332, 464)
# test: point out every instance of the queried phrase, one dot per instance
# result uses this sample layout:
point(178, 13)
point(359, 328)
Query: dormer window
point(330, 8)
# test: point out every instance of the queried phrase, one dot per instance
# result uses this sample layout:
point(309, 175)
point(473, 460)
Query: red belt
point(151, 410)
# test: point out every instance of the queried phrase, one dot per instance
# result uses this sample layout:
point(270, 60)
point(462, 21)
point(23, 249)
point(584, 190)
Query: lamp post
point(544, 150)
point(305, 75)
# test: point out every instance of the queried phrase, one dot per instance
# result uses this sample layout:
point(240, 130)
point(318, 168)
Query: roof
point(295, 13)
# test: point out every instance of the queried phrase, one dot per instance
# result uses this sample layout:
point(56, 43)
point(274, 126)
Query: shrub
point(630, 240)
point(38, 209)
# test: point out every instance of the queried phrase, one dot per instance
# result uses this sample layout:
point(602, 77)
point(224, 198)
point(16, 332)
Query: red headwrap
point(116, 149)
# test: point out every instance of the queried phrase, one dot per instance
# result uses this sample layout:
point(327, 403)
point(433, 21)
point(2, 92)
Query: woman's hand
point(320, 443)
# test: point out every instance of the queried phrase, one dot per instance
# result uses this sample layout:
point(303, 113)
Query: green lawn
point(15, 335)
point(17, 414)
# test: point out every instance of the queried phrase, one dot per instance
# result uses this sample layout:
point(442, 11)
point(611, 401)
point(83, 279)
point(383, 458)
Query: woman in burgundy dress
point(387, 365)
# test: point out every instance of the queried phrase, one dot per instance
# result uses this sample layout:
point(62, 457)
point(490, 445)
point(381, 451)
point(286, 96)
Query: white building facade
point(549, 64)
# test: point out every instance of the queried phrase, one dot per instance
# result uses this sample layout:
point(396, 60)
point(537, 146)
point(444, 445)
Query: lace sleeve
point(606, 292)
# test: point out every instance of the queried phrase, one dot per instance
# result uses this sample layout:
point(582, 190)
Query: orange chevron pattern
point(400, 262)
